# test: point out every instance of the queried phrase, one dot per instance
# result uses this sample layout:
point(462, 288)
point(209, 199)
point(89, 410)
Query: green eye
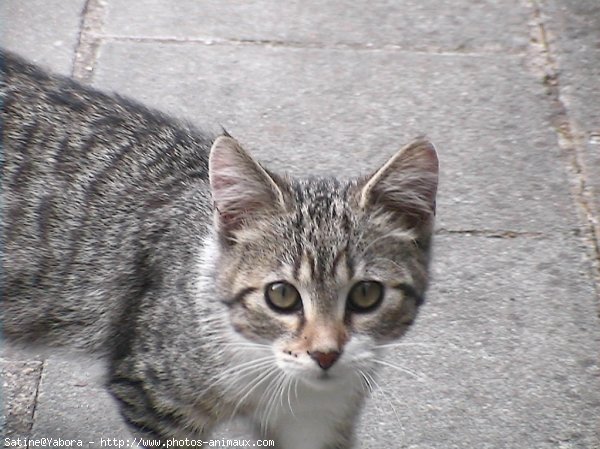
point(365, 296)
point(283, 297)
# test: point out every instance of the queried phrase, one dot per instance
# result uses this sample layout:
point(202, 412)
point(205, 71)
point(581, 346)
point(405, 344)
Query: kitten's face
point(318, 270)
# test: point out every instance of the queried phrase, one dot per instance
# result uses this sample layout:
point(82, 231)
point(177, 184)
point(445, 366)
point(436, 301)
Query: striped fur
point(127, 233)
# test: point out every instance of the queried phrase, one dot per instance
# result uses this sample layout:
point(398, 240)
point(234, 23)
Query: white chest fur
point(314, 417)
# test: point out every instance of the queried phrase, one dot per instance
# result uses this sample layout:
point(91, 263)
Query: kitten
point(214, 287)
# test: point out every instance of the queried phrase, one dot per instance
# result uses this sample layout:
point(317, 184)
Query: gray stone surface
point(46, 31)
point(416, 24)
point(20, 380)
point(351, 109)
point(73, 403)
point(574, 32)
point(505, 353)
point(497, 352)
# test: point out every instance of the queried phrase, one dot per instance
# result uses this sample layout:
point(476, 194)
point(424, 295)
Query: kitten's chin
point(322, 380)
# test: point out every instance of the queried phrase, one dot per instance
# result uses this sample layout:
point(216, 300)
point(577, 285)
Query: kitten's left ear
point(242, 189)
point(405, 185)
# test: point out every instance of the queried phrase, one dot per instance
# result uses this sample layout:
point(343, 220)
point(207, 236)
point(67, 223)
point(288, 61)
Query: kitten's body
point(111, 243)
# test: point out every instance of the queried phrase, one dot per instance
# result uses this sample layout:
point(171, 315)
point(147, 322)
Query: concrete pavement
point(506, 351)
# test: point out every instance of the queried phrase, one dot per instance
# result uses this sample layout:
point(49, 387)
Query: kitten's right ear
point(241, 188)
point(406, 185)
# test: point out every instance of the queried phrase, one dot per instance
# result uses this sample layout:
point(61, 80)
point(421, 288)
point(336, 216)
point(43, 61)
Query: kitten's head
point(323, 271)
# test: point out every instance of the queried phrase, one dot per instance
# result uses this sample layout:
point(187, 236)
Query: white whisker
point(228, 376)
point(388, 400)
point(272, 398)
point(366, 385)
point(399, 368)
point(394, 345)
point(296, 388)
point(251, 386)
point(239, 368)
point(423, 345)
point(289, 390)
point(277, 393)
point(247, 345)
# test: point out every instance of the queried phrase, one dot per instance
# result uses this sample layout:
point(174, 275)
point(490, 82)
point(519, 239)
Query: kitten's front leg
point(151, 421)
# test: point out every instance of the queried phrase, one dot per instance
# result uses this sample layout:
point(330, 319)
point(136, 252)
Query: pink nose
point(325, 359)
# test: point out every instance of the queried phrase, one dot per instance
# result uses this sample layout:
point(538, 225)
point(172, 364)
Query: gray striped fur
point(143, 239)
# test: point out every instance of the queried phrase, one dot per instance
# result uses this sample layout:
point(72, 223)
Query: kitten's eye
point(365, 296)
point(283, 297)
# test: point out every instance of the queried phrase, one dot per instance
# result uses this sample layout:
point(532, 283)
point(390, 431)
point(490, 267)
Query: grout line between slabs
point(86, 50)
point(568, 140)
point(35, 398)
point(491, 233)
point(356, 46)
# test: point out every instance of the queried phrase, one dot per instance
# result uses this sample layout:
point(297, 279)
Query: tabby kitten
point(215, 287)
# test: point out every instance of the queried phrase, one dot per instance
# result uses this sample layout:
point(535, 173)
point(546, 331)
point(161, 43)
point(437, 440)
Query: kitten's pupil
point(365, 296)
point(282, 297)
point(363, 289)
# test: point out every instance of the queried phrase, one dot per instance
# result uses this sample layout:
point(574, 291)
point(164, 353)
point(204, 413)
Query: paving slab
point(504, 354)
point(573, 28)
point(324, 111)
point(45, 31)
point(20, 381)
point(420, 25)
point(73, 404)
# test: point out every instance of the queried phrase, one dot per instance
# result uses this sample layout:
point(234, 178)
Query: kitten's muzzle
point(325, 359)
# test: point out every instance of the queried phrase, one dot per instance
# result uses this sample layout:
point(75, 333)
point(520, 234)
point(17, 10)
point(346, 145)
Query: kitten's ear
point(405, 185)
point(241, 188)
